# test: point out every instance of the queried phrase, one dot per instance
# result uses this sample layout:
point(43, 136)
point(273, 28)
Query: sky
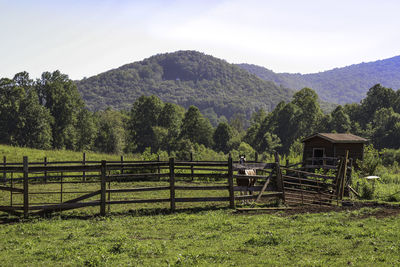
point(84, 38)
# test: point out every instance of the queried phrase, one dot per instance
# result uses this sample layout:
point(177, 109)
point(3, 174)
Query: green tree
point(221, 137)
point(287, 126)
point(111, 132)
point(169, 125)
point(33, 126)
point(378, 97)
point(309, 113)
point(86, 128)
point(11, 96)
point(144, 116)
point(340, 120)
point(271, 143)
point(23, 121)
point(196, 128)
point(386, 129)
point(61, 97)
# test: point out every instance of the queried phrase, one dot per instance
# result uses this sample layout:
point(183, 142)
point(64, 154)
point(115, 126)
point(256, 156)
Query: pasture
point(205, 237)
point(200, 233)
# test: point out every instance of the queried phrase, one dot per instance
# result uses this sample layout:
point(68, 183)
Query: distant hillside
point(186, 78)
point(340, 85)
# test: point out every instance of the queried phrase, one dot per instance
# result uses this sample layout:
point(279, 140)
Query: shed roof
point(338, 138)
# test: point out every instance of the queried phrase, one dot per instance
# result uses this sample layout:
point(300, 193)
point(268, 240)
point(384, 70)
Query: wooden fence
point(42, 187)
point(22, 180)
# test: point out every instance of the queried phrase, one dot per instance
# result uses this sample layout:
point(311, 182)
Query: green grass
point(205, 238)
point(15, 154)
point(200, 234)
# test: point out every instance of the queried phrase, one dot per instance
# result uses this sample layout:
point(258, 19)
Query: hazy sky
point(83, 38)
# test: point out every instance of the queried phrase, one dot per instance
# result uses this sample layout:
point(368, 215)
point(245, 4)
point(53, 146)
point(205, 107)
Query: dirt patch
point(382, 210)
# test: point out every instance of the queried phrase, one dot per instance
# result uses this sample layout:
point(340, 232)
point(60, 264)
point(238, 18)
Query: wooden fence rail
point(42, 187)
point(21, 179)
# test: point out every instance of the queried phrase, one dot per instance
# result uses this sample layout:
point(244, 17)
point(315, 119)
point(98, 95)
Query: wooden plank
point(92, 194)
point(346, 160)
point(202, 175)
point(137, 164)
point(202, 199)
point(309, 173)
point(279, 178)
point(307, 180)
point(353, 191)
point(138, 201)
point(309, 196)
point(198, 163)
point(103, 189)
point(247, 188)
point(159, 169)
point(64, 206)
point(11, 169)
point(308, 191)
point(275, 194)
point(208, 169)
point(4, 165)
point(58, 192)
point(230, 183)
point(11, 210)
point(141, 189)
point(172, 183)
point(13, 189)
point(264, 187)
point(304, 185)
point(214, 187)
point(307, 201)
point(26, 187)
point(191, 166)
point(138, 175)
point(328, 167)
point(69, 168)
point(258, 166)
point(250, 176)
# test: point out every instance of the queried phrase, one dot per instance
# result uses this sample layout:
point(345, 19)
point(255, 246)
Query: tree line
point(49, 113)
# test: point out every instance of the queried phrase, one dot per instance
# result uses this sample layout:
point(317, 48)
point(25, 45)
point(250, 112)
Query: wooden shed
point(332, 145)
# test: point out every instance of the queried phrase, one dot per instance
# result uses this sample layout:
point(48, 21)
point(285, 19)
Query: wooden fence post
point(158, 168)
point(84, 163)
point(230, 181)
point(279, 178)
point(4, 172)
point(61, 187)
point(26, 186)
point(172, 183)
point(191, 166)
point(103, 189)
point(45, 172)
point(122, 164)
point(256, 156)
point(346, 161)
point(350, 178)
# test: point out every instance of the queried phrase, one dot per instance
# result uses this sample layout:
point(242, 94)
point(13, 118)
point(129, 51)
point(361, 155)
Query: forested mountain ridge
point(340, 85)
point(186, 78)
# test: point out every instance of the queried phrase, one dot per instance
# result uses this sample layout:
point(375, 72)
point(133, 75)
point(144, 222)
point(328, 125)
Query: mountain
point(186, 78)
point(339, 85)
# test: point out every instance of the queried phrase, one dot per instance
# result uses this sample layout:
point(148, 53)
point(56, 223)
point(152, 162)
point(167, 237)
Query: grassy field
point(204, 238)
point(15, 154)
point(200, 234)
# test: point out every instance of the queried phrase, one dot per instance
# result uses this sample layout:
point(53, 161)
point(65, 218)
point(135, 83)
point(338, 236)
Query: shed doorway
point(318, 154)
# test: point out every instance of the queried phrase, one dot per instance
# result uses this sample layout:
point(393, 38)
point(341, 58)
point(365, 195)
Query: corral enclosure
point(44, 187)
